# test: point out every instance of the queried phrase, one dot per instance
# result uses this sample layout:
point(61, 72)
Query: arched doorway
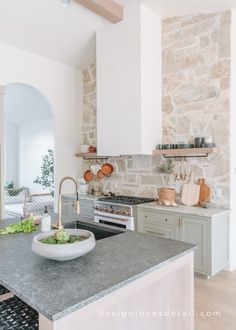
point(28, 146)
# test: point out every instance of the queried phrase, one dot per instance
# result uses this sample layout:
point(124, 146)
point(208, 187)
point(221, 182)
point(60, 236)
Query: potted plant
point(46, 180)
point(11, 190)
point(165, 168)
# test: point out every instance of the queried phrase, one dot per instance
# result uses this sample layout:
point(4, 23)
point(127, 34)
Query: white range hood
point(129, 84)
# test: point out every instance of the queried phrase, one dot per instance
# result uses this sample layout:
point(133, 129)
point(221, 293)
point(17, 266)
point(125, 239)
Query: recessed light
point(66, 3)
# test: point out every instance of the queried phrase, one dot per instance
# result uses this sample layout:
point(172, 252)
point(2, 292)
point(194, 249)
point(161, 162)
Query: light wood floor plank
point(217, 294)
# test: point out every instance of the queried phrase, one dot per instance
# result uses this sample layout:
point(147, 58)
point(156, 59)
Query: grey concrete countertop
point(56, 289)
point(188, 210)
point(81, 196)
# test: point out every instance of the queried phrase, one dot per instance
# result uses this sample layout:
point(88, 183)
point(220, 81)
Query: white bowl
point(84, 148)
point(62, 252)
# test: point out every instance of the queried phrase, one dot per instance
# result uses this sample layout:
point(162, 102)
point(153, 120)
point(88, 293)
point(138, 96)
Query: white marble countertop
point(189, 210)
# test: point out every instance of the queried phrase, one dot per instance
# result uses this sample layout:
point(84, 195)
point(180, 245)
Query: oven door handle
point(110, 219)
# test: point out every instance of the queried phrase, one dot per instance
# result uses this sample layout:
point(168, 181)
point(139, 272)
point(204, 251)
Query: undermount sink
point(98, 231)
point(62, 252)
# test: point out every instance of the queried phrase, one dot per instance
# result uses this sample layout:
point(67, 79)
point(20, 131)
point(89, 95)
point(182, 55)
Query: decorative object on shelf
point(190, 192)
point(198, 141)
point(186, 152)
point(84, 148)
point(208, 139)
point(205, 192)
point(208, 145)
point(92, 149)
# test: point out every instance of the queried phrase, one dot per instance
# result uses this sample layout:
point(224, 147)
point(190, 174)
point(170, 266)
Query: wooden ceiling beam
point(108, 9)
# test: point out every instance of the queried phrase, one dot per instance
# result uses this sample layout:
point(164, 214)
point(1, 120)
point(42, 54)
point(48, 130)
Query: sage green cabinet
point(195, 231)
point(208, 233)
point(159, 224)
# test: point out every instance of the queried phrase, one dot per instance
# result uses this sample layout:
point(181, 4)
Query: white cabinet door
point(195, 231)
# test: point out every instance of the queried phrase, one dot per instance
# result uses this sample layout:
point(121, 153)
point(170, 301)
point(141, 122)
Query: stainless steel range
point(118, 211)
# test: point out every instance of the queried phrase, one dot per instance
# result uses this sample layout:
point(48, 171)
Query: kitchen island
point(129, 281)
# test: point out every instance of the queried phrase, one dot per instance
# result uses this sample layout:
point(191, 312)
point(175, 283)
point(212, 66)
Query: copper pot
point(88, 175)
point(107, 169)
point(100, 174)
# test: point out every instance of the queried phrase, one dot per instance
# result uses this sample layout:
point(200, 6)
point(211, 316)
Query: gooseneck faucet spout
point(60, 204)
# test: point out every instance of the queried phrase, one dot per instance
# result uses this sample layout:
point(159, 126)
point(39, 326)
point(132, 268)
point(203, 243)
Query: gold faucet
point(58, 224)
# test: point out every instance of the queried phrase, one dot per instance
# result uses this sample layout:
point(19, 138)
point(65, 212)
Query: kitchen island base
point(162, 299)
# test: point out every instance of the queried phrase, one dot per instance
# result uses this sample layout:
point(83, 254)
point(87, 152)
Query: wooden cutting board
point(190, 192)
point(205, 192)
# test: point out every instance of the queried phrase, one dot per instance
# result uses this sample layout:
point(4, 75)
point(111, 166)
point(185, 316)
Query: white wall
point(232, 145)
point(34, 141)
point(151, 76)
point(2, 92)
point(62, 86)
point(129, 84)
point(11, 153)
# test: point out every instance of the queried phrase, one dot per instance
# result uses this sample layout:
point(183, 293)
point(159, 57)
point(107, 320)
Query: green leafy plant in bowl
point(61, 245)
point(62, 237)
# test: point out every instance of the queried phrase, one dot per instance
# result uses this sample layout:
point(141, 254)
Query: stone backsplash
point(195, 88)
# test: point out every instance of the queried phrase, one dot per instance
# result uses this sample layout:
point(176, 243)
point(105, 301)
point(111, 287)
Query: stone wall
point(196, 77)
point(89, 106)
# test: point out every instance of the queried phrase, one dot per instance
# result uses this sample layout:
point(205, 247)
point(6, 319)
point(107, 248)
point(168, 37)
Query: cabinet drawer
point(158, 217)
point(158, 230)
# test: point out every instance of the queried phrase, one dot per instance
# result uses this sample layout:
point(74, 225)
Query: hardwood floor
point(216, 295)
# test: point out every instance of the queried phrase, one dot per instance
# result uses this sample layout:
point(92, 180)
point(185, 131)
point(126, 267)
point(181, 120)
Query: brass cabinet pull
point(153, 232)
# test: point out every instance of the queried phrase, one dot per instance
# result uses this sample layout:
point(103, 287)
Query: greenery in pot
point(46, 180)
point(165, 168)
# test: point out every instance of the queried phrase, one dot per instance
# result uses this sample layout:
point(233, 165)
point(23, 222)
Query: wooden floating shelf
point(90, 155)
point(190, 152)
point(86, 154)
